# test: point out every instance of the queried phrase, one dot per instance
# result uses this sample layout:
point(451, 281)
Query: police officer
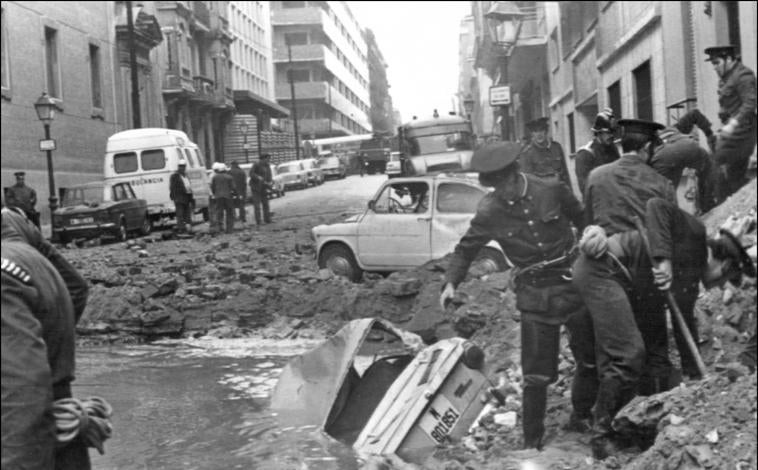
point(222, 190)
point(180, 191)
point(737, 102)
point(37, 360)
point(599, 151)
point(530, 217)
point(543, 156)
point(240, 186)
point(260, 182)
point(22, 196)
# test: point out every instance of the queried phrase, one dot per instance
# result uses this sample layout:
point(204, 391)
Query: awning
point(248, 102)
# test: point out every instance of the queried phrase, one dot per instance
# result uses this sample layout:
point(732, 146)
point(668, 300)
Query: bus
point(442, 143)
point(342, 147)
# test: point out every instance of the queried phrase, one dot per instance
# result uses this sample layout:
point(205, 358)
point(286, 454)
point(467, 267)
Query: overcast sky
point(419, 42)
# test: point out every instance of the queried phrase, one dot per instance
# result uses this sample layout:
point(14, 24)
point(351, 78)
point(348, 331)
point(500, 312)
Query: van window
point(200, 157)
point(153, 159)
point(125, 162)
point(190, 159)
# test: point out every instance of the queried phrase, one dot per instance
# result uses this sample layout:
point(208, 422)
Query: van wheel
point(489, 260)
point(122, 234)
point(147, 225)
point(340, 260)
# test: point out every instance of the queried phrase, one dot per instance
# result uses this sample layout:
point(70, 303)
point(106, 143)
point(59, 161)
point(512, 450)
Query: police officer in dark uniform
point(599, 151)
point(240, 187)
point(737, 102)
point(260, 182)
point(543, 156)
point(37, 361)
point(22, 196)
point(531, 218)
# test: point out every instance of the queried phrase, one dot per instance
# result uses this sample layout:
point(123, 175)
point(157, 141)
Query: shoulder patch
point(16, 271)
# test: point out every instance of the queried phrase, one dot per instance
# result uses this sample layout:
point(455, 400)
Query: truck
point(375, 153)
point(438, 144)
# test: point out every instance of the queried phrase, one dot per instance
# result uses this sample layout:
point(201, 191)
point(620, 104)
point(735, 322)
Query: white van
point(146, 158)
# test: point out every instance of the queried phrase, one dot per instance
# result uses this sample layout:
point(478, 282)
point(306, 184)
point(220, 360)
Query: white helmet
point(218, 167)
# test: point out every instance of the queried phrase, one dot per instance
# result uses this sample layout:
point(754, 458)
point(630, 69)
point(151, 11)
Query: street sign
point(48, 144)
point(500, 95)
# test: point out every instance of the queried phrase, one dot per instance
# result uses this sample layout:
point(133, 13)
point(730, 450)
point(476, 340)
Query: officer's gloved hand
point(594, 242)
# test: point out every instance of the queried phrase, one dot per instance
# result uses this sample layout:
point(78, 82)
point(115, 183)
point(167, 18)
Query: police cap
point(639, 126)
point(539, 124)
point(495, 156)
point(740, 259)
point(714, 52)
point(19, 173)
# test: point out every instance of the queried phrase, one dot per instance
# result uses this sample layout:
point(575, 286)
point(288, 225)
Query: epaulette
point(16, 271)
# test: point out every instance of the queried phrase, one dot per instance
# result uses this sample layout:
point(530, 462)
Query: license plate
point(83, 220)
point(439, 419)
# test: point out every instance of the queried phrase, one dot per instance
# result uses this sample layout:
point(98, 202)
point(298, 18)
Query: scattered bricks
point(210, 257)
point(143, 254)
point(167, 287)
point(507, 420)
point(295, 268)
point(304, 248)
point(226, 270)
point(246, 237)
point(135, 270)
point(247, 276)
point(324, 274)
point(222, 245)
point(171, 268)
point(149, 291)
point(261, 250)
point(404, 287)
point(121, 271)
point(243, 258)
point(130, 243)
point(728, 296)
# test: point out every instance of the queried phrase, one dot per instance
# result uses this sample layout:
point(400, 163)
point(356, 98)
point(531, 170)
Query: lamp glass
point(45, 108)
point(504, 32)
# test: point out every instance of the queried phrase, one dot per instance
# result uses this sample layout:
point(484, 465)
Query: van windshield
point(439, 143)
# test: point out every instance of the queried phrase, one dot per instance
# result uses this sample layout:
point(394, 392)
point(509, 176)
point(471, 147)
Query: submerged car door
point(396, 232)
point(455, 207)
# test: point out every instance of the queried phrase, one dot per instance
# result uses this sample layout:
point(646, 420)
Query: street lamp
point(468, 108)
point(243, 128)
point(45, 107)
point(504, 21)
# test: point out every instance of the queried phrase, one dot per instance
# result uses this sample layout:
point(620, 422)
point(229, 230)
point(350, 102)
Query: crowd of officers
point(610, 289)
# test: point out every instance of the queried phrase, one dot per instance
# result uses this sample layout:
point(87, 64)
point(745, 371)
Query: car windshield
point(286, 168)
point(332, 161)
point(88, 195)
point(439, 143)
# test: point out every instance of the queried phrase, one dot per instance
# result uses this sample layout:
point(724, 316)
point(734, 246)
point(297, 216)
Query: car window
point(129, 191)
point(82, 195)
point(403, 198)
point(285, 169)
point(125, 162)
point(458, 198)
point(118, 192)
point(153, 159)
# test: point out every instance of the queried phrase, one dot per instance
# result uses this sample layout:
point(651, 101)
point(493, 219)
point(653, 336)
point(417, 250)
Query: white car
point(312, 168)
point(292, 174)
point(393, 165)
point(410, 221)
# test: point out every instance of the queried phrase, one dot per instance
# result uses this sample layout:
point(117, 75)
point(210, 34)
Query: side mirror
point(371, 204)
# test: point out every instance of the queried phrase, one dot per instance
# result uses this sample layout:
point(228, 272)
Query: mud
point(265, 283)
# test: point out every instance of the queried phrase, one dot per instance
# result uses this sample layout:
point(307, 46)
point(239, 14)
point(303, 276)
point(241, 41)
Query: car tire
point(490, 260)
point(340, 261)
point(123, 234)
point(147, 226)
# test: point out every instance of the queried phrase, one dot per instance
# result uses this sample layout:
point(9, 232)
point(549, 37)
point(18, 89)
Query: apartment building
point(320, 46)
point(379, 89)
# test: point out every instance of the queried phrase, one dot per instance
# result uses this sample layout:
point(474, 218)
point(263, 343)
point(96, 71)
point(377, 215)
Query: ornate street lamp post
point(468, 107)
point(243, 128)
point(504, 19)
point(45, 107)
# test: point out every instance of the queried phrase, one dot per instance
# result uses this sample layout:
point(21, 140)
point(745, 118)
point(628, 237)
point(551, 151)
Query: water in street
point(199, 406)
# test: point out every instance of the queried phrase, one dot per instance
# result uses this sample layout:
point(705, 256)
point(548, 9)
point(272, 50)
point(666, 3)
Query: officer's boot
point(533, 415)
point(583, 395)
point(605, 407)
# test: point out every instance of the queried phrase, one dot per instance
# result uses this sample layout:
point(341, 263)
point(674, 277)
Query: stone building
point(379, 88)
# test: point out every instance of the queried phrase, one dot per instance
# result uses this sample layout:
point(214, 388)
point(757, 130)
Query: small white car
point(292, 174)
point(393, 165)
point(410, 221)
point(312, 168)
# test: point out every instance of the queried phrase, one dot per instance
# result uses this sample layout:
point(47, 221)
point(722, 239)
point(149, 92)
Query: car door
point(389, 238)
point(454, 208)
point(122, 204)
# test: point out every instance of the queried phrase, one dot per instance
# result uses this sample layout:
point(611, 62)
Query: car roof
point(91, 184)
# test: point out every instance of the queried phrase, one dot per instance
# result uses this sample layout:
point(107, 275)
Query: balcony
point(300, 53)
point(202, 14)
point(297, 16)
point(203, 90)
point(303, 91)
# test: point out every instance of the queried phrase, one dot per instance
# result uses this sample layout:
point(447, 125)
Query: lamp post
point(504, 19)
point(45, 107)
point(243, 128)
point(468, 107)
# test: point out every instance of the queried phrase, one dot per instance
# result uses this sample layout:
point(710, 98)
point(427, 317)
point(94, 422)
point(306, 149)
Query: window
point(51, 62)
point(643, 91)
point(125, 162)
point(614, 97)
point(119, 193)
point(190, 159)
point(94, 67)
point(458, 198)
point(6, 79)
point(296, 39)
point(153, 159)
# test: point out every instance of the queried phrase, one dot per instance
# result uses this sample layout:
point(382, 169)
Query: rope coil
point(88, 418)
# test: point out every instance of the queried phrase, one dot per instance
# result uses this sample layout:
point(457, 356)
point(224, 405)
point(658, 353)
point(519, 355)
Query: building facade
point(381, 116)
point(320, 47)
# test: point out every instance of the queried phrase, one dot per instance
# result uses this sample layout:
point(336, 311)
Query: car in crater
point(100, 209)
point(409, 221)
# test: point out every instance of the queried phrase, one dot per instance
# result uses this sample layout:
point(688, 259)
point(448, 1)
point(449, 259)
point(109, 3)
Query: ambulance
point(146, 158)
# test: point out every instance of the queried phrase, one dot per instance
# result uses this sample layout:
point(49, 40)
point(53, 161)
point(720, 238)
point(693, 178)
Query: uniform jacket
point(590, 157)
point(177, 191)
point(240, 180)
point(737, 96)
point(545, 161)
point(618, 191)
point(260, 174)
point(37, 358)
point(530, 229)
point(222, 186)
point(21, 196)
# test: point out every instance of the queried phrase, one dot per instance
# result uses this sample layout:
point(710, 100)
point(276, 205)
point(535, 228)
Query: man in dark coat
point(531, 218)
point(260, 182)
point(22, 196)
point(543, 156)
point(240, 187)
point(737, 102)
point(599, 151)
point(180, 191)
point(222, 191)
point(38, 322)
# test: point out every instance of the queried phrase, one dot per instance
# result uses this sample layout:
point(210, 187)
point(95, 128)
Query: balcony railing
point(203, 88)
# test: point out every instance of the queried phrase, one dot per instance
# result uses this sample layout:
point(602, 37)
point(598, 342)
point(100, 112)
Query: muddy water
point(202, 405)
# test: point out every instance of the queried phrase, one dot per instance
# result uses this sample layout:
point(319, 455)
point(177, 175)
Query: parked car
point(380, 390)
point(394, 165)
point(410, 221)
point(333, 166)
point(313, 170)
point(293, 174)
point(100, 209)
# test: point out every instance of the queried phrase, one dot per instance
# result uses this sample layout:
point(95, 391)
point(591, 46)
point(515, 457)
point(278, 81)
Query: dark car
point(98, 209)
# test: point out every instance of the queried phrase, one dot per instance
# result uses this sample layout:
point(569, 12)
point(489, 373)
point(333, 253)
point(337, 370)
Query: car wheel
point(340, 260)
point(147, 226)
point(489, 260)
point(122, 234)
